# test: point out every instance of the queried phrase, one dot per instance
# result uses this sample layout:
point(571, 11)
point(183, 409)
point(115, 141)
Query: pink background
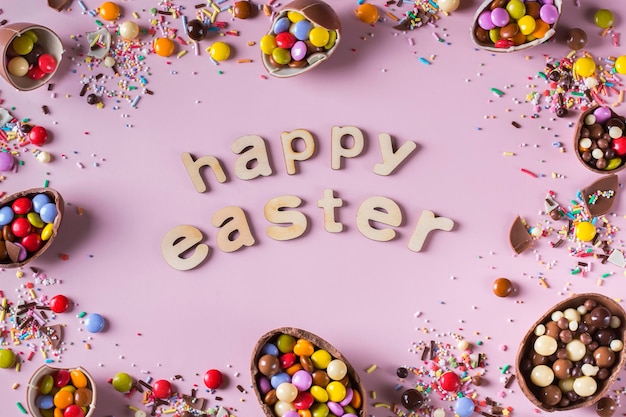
point(372, 300)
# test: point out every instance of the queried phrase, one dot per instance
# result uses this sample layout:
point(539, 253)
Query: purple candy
point(335, 408)
point(264, 385)
point(22, 254)
point(291, 413)
point(484, 20)
point(348, 398)
point(500, 17)
point(602, 114)
point(6, 161)
point(298, 51)
point(302, 380)
point(549, 13)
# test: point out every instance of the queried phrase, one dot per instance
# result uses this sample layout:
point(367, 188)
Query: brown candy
point(320, 378)
point(562, 368)
point(83, 397)
point(604, 357)
point(600, 317)
point(270, 398)
point(269, 365)
point(242, 9)
point(605, 407)
point(509, 30)
point(550, 395)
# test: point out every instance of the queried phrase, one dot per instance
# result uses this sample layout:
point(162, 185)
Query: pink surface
point(119, 170)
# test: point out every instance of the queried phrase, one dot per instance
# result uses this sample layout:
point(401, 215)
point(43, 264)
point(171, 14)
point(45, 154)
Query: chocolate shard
point(601, 194)
point(13, 250)
point(194, 402)
point(519, 237)
point(54, 334)
point(58, 5)
point(616, 257)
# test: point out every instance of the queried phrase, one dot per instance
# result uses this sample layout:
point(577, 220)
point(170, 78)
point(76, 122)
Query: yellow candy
point(79, 380)
point(281, 56)
point(336, 391)
point(319, 36)
point(620, 64)
point(294, 16)
point(541, 28)
point(320, 410)
point(494, 35)
point(332, 40)
point(613, 163)
point(46, 233)
point(68, 388)
point(319, 393)
point(35, 220)
point(585, 231)
point(584, 66)
point(267, 44)
point(219, 51)
point(527, 24)
point(321, 359)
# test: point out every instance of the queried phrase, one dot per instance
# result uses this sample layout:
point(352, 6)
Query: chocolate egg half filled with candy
point(600, 140)
point(514, 25)
point(294, 370)
point(304, 33)
point(29, 222)
point(572, 355)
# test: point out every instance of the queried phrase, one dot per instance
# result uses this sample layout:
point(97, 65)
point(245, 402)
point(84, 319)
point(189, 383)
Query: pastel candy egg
point(129, 30)
point(282, 407)
point(279, 378)
point(298, 51)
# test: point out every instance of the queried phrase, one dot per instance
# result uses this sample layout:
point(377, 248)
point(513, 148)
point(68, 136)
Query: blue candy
point(39, 201)
point(464, 407)
point(94, 323)
point(48, 212)
point(301, 29)
point(270, 349)
point(45, 402)
point(6, 215)
point(279, 378)
point(281, 25)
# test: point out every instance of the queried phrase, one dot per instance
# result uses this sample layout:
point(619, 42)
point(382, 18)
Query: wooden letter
point(234, 230)
point(382, 210)
point(178, 241)
point(254, 161)
point(337, 149)
point(427, 223)
point(391, 159)
point(193, 169)
point(291, 154)
point(329, 203)
point(275, 213)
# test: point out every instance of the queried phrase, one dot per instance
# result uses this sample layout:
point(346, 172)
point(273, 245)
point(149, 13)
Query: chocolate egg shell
point(594, 131)
point(489, 46)
point(534, 393)
point(318, 13)
point(55, 198)
point(318, 343)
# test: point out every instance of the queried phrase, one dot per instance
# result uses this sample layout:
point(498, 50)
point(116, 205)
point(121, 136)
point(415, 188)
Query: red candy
point(21, 227)
point(304, 400)
point(32, 242)
point(285, 40)
point(35, 73)
point(61, 378)
point(59, 303)
point(504, 43)
point(73, 411)
point(287, 360)
point(38, 135)
point(619, 145)
point(162, 388)
point(47, 63)
point(22, 205)
point(450, 381)
point(213, 379)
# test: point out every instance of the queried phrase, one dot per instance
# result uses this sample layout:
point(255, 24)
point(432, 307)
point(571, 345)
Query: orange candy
point(356, 399)
point(164, 47)
point(541, 28)
point(109, 10)
point(303, 348)
point(367, 13)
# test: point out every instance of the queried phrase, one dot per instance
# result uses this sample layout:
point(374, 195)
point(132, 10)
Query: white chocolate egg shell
point(527, 342)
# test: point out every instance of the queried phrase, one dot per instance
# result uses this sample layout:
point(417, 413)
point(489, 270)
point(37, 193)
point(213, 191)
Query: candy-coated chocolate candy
point(541, 28)
point(303, 401)
point(129, 30)
point(162, 388)
point(307, 364)
point(47, 231)
point(286, 392)
point(576, 39)
point(336, 391)
point(549, 13)
point(348, 398)
point(122, 382)
point(22, 45)
point(448, 6)
point(242, 9)
point(516, 9)
point(281, 25)
point(21, 227)
point(357, 400)
point(287, 359)
point(295, 16)
point(196, 30)
point(6, 161)
point(267, 44)
point(281, 56)
point(450, 381)
point(509, 30)
point(6, 215)
point(163, 47)
point(606, 407)
point(603, 18)
point(320, 378)
point(35, 220)
point(502, 287)
point(61, 378)
point(18, 66)
point(39, 201)
point(503, 43)
point(7, 358)
point(412, 399)
point(620, 64)
point(46, 384)
point(22, 205)
point(32, 242)
point(109, 10)
point(301, 29)
point(79, 379)
point(281, 408)
point(48, 212)
point(584, 66)
point(219, 51)
point(542, 375)
point(268, 365)
point(279, 378)
point(73, 411)
point(83, 397)
point(94, 323)
point(500, 17)
point(47, 63)
point(583, 230)
point(319, 393)
point(35, 73)
point(619, 145)
point(285, 40)
point(293, 369)
point(321, 358)
point(302, 380)
point(337, 369)
point(464, 407)
point(320, 409)
point(213, 379)
point(494, 35)
point(585, 386)
point(484, 20)
point(367, 13)
point(45, 402)
point(303, 347)
point(63, 399)
point(527, 25)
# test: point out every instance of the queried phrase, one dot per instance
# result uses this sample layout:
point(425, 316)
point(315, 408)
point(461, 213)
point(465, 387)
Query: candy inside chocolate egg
point(303, 34)
point(600, 140)
point(572, 355)
point(513, 25)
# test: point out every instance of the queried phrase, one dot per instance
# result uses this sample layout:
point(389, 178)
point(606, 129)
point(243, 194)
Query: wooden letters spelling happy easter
point(183, 246)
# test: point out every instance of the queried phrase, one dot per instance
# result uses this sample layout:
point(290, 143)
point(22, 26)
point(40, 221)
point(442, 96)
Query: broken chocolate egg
point(293, 369)
point(600, 196)
point(29, 221)
point(581, 362)
point(600, 140)
point(304, 33)
point(514, 25)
